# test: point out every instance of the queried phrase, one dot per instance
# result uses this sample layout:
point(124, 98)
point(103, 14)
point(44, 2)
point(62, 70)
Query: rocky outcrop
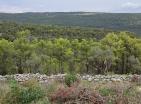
point(45, 79)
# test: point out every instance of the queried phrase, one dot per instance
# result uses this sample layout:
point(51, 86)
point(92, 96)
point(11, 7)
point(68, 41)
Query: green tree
point(100, 60)
point(24, 51)
point(7, 65)
point(123, 46)
point(60, 47)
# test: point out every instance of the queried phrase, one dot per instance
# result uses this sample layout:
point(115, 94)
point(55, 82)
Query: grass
point(4, 89)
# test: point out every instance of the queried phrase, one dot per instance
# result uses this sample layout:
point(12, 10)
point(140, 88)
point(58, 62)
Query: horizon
point(71, 12)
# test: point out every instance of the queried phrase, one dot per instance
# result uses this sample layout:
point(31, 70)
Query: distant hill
point(116, 21)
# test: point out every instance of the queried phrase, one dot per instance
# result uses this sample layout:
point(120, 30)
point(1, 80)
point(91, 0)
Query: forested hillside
point(117, 21)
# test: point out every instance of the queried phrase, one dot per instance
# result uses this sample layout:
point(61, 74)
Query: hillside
point(118, 21)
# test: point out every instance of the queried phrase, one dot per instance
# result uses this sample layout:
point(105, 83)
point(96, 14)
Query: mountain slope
point(117, 21)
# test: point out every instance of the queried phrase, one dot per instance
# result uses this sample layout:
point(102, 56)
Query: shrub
point(70, 79)
point(25, 93)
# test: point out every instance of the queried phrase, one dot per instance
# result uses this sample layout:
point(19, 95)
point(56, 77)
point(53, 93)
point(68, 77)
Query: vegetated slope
point(118, 21)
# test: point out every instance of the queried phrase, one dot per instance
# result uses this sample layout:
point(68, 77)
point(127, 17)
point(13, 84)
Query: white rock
point(90, 79)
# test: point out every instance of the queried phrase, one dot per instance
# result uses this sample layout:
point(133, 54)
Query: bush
point(25, 93)
point(70, 79)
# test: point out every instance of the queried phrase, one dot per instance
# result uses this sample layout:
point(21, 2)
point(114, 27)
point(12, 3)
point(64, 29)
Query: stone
point(90, 79)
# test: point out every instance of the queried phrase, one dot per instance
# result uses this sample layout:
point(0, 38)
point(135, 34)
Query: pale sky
point(19, 6)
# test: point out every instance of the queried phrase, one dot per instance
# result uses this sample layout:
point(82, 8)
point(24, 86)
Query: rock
point(90, 79)
point(113, 79)
point(96, 79)
point(2, 78)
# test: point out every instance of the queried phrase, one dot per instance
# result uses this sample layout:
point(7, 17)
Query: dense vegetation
point(117, 21)
point(8, 30)
point(22, 51)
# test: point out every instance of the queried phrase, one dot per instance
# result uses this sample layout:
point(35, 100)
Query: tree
point(60, 47)
point(123, 46)
point(23, 34)
point(100, 60)
point(7, 65)
point(24, 51)
point(85, 47)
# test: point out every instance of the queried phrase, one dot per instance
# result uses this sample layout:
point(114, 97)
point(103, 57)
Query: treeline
point(115, 53)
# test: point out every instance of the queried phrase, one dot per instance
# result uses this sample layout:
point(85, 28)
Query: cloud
point(131, 5)
point(13, 9)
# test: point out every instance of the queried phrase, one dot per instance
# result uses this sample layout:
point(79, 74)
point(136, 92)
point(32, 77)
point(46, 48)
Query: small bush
point(24, 94)
point(70, 79)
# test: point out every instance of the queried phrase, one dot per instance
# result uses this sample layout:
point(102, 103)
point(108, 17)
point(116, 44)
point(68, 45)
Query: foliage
point(12, 31)
point(6, 57)
point(70, 79)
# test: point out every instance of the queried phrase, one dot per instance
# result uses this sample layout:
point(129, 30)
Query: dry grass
point(4, 89)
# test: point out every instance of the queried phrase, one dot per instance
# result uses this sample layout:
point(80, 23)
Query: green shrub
point(70, 79)
point(25, 93)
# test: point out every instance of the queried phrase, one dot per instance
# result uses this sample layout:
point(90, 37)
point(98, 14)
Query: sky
point(120, 6)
